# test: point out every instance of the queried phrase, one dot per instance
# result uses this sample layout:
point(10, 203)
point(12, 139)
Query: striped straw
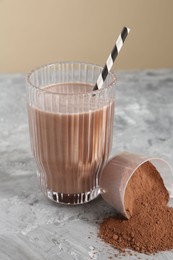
point(112, 57)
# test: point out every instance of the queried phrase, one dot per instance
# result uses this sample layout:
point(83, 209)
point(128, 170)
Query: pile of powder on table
point(150, 226)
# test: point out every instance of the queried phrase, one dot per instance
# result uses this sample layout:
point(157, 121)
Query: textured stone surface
point(32, 227)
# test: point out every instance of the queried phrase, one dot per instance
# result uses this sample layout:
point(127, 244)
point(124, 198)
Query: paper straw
point(112, 57)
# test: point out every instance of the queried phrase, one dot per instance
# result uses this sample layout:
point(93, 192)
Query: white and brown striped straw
point(112, 57)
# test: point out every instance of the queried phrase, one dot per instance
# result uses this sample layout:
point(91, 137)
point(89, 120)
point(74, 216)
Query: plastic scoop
point(116, 174)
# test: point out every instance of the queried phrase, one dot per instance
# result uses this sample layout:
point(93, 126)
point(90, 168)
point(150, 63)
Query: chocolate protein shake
point(71, 140)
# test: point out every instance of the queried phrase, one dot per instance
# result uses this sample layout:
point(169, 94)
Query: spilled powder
point(149, 228)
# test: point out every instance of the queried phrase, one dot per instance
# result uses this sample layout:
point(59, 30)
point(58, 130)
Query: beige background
point(34, 32)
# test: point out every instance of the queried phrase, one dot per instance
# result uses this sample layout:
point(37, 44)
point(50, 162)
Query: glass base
point(73, 199)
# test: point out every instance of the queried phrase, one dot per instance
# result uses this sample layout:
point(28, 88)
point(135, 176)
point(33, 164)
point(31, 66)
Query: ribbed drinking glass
point(70, 128)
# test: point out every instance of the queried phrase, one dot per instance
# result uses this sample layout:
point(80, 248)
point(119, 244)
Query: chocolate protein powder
point(149, 228)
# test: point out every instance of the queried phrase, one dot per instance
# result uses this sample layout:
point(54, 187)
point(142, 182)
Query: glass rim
point(28, 78)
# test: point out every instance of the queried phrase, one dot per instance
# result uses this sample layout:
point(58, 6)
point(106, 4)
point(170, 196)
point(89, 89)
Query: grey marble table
point(32, 227)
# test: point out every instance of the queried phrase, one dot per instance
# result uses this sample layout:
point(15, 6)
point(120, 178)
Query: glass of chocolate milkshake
point(70, 128)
